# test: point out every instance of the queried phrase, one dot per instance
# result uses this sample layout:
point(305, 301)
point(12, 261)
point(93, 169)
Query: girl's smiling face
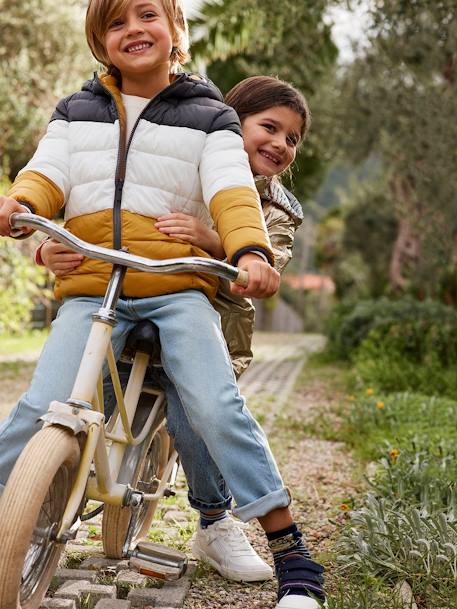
point(271, 138)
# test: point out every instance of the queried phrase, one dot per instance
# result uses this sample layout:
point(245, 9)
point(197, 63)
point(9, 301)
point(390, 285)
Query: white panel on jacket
point(90, 198)
point(51, 158)
point(224, 150)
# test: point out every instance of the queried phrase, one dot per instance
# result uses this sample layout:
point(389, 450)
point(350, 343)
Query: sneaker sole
point(236, 576)
point(299, 602)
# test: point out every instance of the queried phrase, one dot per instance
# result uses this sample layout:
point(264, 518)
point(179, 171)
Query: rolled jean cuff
point(201, 505)
point(264, 505)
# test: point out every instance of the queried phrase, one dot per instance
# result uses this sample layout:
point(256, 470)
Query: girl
point(275, 120)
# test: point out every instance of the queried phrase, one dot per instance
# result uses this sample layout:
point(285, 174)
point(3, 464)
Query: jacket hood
point(184, 86)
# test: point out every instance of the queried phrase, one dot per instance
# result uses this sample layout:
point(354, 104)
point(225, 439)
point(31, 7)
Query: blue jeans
point(207, 487)
point(194, 358)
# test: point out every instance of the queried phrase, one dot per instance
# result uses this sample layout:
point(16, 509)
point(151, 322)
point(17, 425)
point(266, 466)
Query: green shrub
point(398, 345)
point(22, 285)
point(426, 479)
point(415, 324)
point(389, 371)
point(402, 544)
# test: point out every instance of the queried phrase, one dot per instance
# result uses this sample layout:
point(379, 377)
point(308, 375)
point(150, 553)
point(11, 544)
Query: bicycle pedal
point(168, 492)
point(156, 560)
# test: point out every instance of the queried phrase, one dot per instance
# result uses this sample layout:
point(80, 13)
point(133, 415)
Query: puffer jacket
point(283, 215)
point(185, 153)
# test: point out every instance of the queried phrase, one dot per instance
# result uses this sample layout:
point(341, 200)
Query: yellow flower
point(369, 391)
point(393, 453)
point(344, 507)
point(380, 405)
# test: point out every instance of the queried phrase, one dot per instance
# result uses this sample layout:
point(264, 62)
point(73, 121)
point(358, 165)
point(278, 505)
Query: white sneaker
point(226, 548)
point(294, 601)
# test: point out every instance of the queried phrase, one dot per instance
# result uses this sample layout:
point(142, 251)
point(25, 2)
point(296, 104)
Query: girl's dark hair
point(259, 93)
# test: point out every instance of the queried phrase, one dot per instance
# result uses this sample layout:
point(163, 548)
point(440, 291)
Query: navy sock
point(206, 519)
point(296, 572)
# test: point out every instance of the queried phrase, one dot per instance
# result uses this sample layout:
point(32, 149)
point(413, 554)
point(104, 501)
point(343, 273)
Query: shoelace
point(232, 534)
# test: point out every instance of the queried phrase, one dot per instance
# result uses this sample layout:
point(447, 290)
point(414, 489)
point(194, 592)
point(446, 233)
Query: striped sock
point(297, 574)
point(207, 519)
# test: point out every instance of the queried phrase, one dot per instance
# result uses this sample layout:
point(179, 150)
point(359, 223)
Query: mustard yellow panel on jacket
point(227, 208)
point(140, 236)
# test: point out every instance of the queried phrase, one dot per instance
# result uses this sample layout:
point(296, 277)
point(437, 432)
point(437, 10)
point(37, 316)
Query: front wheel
point(31, 511)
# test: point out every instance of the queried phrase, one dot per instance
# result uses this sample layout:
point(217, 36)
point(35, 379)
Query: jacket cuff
point(263, 253)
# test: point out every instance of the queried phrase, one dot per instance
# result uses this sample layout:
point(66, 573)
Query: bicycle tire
point(116, 519)
point(29, 555)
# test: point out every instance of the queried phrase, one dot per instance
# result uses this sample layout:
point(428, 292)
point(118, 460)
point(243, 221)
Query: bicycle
point(128, 465)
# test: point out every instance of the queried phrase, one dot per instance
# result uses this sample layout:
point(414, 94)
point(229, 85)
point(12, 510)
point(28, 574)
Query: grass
point(12, 370)
point(374, 424)
point(26, 343)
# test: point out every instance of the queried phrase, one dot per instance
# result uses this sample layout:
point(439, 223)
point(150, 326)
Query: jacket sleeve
point(281, 228)
point(229, 190)
point(44, 183)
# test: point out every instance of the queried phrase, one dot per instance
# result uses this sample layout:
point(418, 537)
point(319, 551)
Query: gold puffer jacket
point(283, 215)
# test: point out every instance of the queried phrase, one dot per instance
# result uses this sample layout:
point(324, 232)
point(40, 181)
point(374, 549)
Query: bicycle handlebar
point(172, 265)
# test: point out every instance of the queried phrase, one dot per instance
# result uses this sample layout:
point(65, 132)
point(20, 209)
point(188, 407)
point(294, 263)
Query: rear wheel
point(146, 478)
point(31, 511)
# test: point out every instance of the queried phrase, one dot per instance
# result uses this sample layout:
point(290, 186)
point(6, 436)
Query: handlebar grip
point(242, 279)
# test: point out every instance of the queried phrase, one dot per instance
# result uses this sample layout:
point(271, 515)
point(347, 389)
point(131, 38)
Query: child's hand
point(191, 229)
point(10, 206)
point(263, 278)
point(59, 258)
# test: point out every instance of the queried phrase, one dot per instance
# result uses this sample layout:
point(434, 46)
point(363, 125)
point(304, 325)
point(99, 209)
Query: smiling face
point(271, 138)
point(139, 43)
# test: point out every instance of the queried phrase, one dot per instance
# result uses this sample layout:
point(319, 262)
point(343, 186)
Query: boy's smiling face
point(139, 43)
point(271, 138)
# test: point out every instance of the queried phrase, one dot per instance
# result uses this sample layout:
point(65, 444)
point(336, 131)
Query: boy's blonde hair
point(100, 13)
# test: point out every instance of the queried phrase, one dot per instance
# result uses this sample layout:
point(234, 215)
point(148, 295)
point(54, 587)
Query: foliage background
point(377, 175)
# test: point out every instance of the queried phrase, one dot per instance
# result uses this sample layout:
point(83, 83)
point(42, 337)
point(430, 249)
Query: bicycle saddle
point(145, 338)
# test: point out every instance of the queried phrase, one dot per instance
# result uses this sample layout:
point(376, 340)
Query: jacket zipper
point(119, 177)
point(121, 166)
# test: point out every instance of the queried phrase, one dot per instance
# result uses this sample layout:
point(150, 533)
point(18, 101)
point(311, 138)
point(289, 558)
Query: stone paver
point(100, 563)
point(64, 575)
point(84, 591)
point(58, 603)
point(109, 603)
point(131, 579)
point(172, 594)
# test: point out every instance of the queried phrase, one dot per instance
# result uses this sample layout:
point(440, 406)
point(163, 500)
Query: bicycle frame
point(83, 412)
